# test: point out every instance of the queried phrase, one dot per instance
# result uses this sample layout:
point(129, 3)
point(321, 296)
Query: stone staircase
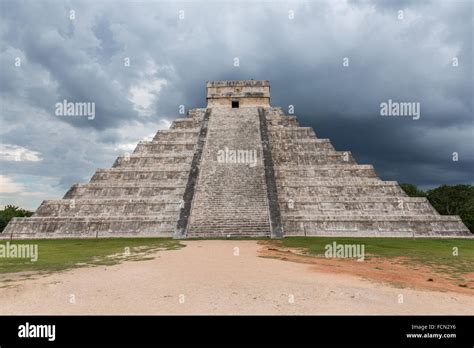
point(324, 192)
point(231, 198)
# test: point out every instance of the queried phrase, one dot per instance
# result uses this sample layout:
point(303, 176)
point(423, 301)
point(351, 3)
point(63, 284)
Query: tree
point(454, 200)
point(468, 214)
point(9, 212)
point(412, 191)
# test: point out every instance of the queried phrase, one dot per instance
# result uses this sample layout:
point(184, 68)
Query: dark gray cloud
point(407, 59)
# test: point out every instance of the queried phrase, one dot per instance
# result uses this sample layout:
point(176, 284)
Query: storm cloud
point(334, 61)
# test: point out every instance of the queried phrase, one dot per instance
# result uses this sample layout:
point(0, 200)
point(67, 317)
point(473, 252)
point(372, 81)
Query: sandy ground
point(206, 277)
point(397, 272)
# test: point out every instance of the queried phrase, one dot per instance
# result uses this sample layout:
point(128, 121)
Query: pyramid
point(239, 167)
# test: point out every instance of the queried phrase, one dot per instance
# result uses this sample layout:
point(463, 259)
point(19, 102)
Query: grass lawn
point(434, 252)
point(60, 254)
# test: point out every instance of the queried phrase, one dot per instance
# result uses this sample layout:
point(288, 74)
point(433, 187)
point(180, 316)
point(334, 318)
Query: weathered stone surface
point(189, 192)
point(324, 192)
point(231, 198)
point(140, 196)
point(178, 184)
point(247, 93)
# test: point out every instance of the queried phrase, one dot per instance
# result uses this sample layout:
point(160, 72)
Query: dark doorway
point(235, 104)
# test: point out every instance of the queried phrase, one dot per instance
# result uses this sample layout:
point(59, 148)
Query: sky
point(335, 62)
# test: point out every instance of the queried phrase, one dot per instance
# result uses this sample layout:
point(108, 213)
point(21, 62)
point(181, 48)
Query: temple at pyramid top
point(237, 94)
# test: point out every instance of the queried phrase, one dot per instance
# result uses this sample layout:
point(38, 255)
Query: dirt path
point(398, 272)
point(206, 277)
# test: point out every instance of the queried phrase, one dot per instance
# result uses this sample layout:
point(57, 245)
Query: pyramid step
point(124, 190)
point(231, 220)
point(186, 141)
point(300, 141)
point(233, 230)
point(400, 207)
point(303, 200)
point(177, 134)
point(164, 146)
point(142, 174)
point(383, 217)
point(154, 160)
point(185, 123)
point(292, 192)
point(228, 234)
point(344, 171)
point(313, 158)
point(161, 169)
point(293, 132)
point(118, 207)
point(368, 212)
point(305, 149)
point(81, 227)
point(376, 225)
point(314, 170)
point(337, 181)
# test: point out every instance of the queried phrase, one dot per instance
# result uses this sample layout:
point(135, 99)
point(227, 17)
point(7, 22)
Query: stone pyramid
point(237, 168)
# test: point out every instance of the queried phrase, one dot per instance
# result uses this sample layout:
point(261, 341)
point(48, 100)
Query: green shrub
point(454, 200)
point(9, 212)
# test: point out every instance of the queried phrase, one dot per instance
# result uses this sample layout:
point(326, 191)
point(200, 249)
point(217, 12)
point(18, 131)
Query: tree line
point(448, 200)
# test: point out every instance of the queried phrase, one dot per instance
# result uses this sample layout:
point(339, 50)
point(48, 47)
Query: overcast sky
point(407, 56)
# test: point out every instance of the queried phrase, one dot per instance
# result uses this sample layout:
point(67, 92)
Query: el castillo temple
point(237, 168)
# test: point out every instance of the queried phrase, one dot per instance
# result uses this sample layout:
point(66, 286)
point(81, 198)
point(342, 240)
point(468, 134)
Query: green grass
point(436, 253)
point(60, 254)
